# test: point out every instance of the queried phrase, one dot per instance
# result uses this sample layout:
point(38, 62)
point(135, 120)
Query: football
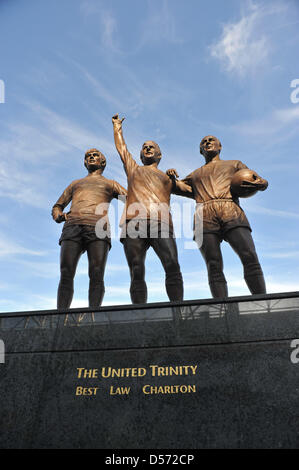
point(246, 183)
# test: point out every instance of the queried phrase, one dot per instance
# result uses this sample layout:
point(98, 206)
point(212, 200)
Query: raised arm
point(57, 210)
point(121, 147)
point(180, 187)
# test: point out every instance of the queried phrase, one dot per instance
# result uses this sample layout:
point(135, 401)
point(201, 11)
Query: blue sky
point(177, 71)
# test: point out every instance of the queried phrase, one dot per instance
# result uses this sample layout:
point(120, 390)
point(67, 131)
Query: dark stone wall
point(244, 392)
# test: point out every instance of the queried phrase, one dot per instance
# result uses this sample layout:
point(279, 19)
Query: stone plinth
point(199, 374)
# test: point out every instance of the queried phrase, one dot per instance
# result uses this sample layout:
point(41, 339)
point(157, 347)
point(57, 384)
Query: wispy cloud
point(272, 212)
point(282, 255)
point(276, 126)
point(108, 26)
point(22, 187)
point(9, 248)
point(99, 89)
point(287, 116)
point(67, 131)
point(160, 24)
point(244, 46)
point(37, 149)
point(109, 30)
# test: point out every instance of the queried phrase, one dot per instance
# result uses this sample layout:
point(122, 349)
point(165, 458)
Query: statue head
point(94, 160)
point(210, 146)
point(150, 153)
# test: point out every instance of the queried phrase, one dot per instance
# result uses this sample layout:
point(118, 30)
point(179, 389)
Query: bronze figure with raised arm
point(90, 197)
point(217, 185)
point(147, 221)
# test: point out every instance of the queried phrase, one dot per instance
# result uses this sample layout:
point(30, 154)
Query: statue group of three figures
point(216, 187)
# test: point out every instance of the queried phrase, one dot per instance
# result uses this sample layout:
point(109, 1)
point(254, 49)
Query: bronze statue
point(147, 205)
point(79, 231)
point(223, 218)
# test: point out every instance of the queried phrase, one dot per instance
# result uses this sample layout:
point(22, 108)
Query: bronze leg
point(97, 253)
point(69, 256)
point(166, 249)
point(212, 255)
point(241, 241)
point(135, 251)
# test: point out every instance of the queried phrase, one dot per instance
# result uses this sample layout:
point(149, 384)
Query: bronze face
point(210, 146)
point(150, 153)
point(94, 160)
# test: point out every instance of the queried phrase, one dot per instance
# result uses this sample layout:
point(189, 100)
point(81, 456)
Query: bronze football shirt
point(212, 181)
point(86, 194)
point(149, 191)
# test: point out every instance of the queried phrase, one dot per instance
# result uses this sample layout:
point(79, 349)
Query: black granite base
point(194, 375)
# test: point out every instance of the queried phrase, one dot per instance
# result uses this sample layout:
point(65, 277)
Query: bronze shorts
point(220, 216)
point(144, 228)
point(82, 234)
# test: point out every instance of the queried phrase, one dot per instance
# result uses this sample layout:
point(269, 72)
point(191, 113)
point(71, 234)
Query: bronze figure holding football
point(218, 185)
